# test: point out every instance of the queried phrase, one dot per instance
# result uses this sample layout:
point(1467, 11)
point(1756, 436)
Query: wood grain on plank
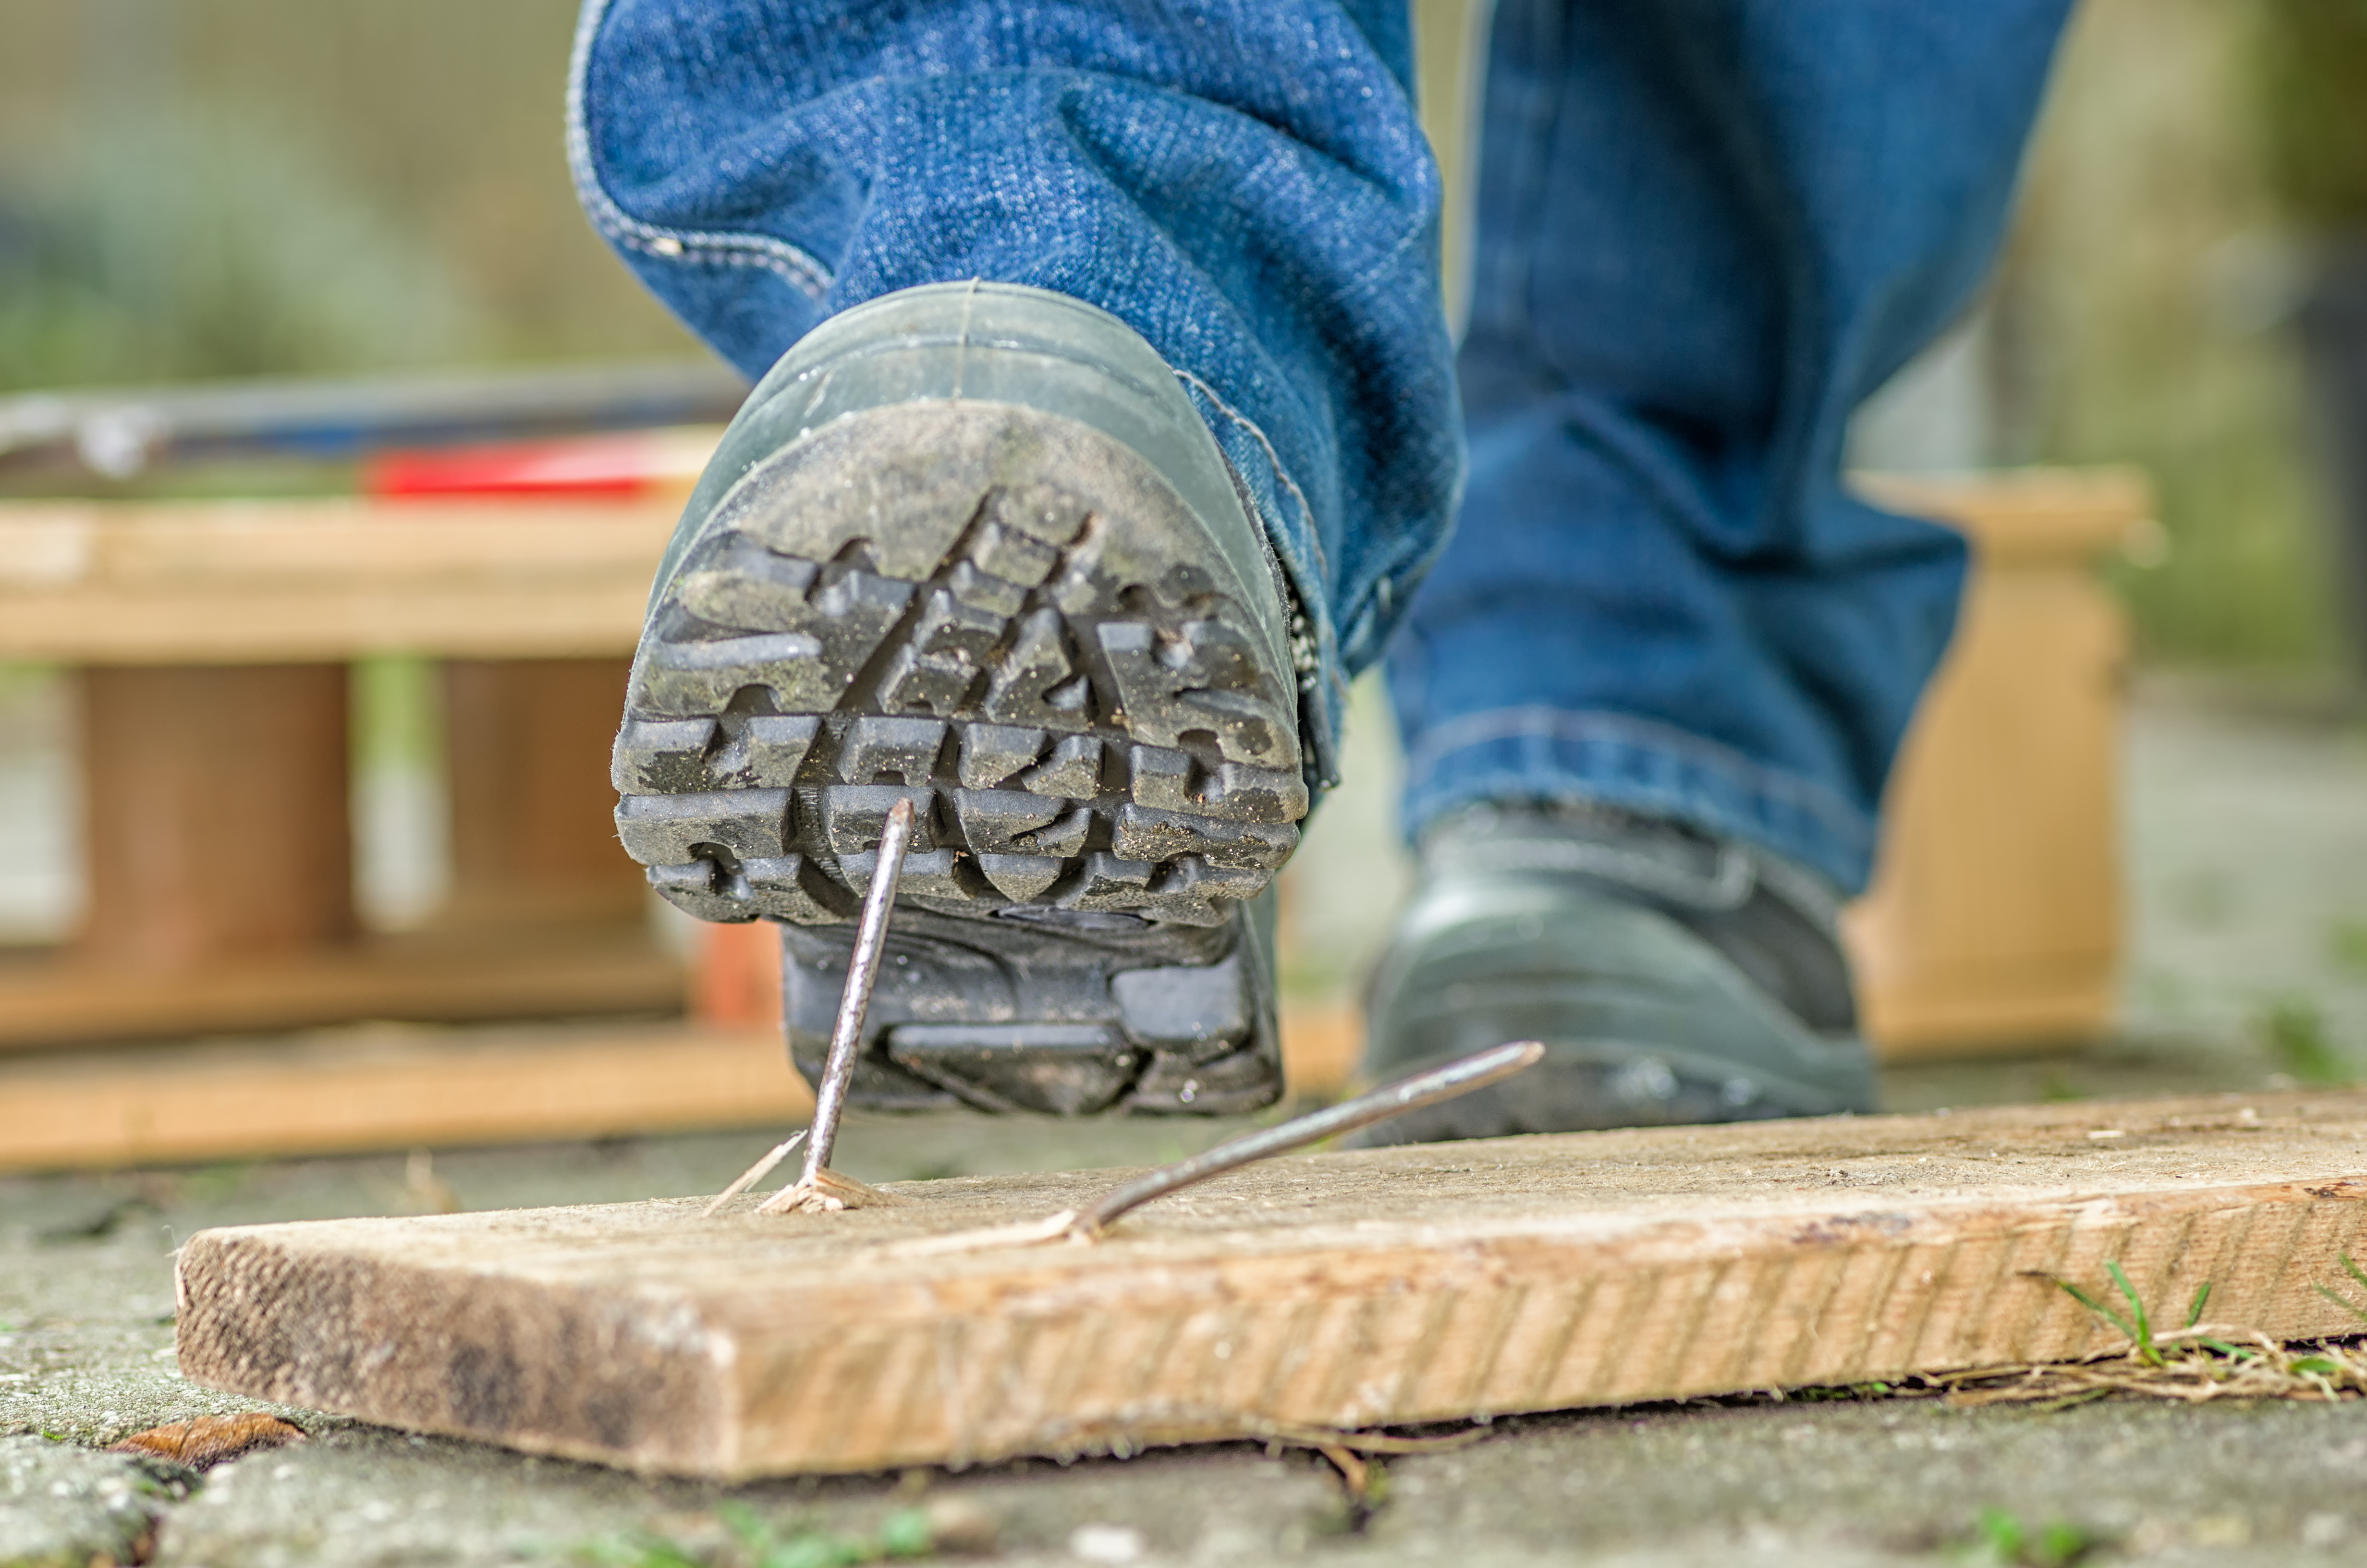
point(1338, 1289)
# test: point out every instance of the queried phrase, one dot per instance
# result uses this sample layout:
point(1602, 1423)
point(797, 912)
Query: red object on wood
point(620, 466)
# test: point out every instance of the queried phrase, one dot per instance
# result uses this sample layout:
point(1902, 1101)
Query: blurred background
point(193, 191)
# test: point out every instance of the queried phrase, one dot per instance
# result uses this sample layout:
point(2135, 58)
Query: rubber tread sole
point(998, 613)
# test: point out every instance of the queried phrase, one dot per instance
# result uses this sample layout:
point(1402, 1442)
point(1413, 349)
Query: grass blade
point(2099, 1308)
point(2143, 1338)
point(2345, 1303)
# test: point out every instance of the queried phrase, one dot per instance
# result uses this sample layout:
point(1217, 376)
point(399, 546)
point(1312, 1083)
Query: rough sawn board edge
point(630, 1335)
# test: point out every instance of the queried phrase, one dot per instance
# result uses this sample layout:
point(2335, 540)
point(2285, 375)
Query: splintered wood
point(1329, 1291)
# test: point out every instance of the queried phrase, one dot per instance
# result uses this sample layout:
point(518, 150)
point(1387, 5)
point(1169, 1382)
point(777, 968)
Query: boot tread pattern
point(1070, 741)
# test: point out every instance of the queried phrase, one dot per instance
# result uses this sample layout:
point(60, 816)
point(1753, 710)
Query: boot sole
point(1010, 618)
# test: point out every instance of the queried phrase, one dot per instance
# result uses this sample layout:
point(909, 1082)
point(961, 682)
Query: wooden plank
point(1995, 916)
point(397, 1086)
point(1333, 1291)
point(388, 1087)
point(1322, 1045)
point(524, 972)
point(526, 759)
point(324, 579)
point(214, 814)
point(260, 581)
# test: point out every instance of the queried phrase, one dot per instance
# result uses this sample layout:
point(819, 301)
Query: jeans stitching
point(1311, 608)
point(1502, 724)
point(1389, 595)
point(774, 256)
point(1326, 632)
point(1274, 461)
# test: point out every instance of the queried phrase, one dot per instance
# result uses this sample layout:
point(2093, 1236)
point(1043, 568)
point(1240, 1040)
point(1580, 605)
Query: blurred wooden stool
point(1994, 921)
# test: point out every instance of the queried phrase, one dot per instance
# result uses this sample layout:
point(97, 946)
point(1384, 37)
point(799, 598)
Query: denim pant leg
point(1706, 231)
point(1243, 181)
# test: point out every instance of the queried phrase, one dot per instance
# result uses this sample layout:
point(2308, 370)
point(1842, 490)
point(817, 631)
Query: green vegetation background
point(196, 188)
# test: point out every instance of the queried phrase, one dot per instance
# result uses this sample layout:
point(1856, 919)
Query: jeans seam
point(1274, 460)
point(1387, 595)
point(1328, 688)
point(632, 233)
point(1499, 724)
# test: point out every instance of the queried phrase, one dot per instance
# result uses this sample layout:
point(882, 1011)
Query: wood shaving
point(828, 1193)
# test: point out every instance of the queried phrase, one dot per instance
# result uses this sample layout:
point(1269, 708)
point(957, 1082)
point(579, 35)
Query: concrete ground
point(2248, 865)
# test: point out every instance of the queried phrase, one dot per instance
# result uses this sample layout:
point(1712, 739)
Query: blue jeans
point(1708, 230)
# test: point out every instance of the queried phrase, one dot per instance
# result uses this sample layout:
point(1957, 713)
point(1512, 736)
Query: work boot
point(971, 545)
point(1673, 976)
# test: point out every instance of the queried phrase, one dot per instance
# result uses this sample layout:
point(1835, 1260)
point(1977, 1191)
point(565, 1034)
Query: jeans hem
point(697, 247)
point(1552, 754)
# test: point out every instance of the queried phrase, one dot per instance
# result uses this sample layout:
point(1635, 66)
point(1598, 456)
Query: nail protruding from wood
point(817, 1188)
point(862, 975)
point(1434, 1087)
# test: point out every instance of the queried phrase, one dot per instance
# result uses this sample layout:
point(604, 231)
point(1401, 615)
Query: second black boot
point(1673, 976)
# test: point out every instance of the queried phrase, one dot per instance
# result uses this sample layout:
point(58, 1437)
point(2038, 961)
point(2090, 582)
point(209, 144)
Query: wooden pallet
point(210, 640)
point(217, 855)
point(1339, 1291)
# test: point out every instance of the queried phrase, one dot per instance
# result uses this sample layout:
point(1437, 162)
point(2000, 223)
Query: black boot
point(1673, 976)
point(973, 545)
